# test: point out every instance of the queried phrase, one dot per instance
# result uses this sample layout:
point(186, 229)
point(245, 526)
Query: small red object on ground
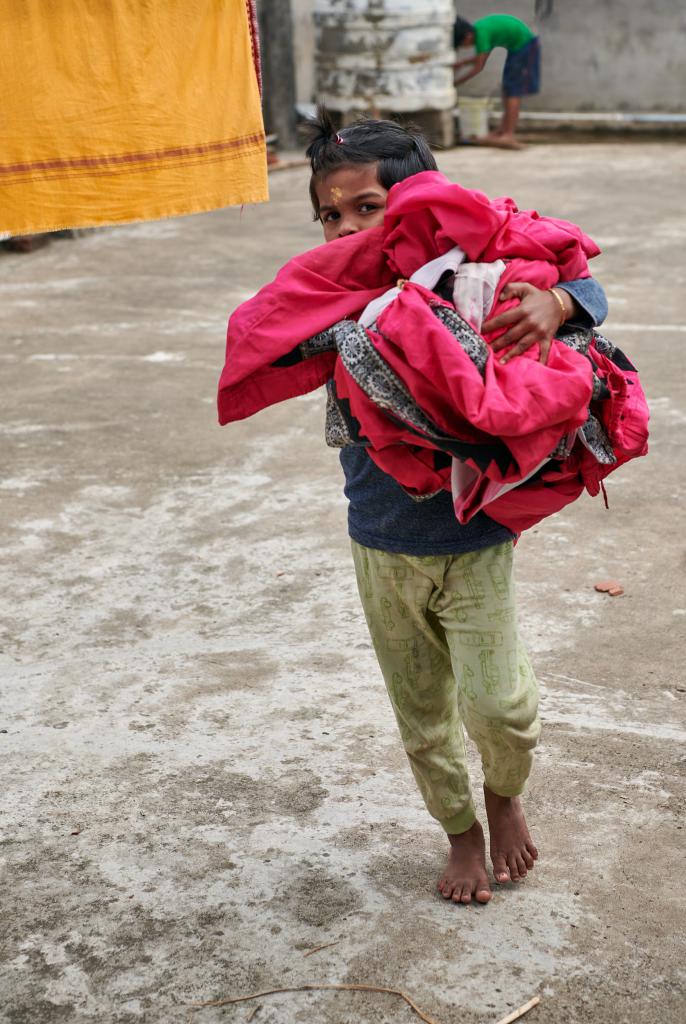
point(611, 587)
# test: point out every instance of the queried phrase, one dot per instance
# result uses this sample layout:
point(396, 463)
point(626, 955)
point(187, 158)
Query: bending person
point(521, 74)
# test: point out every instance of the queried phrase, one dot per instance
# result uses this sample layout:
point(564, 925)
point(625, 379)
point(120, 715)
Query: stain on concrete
point(319, 898)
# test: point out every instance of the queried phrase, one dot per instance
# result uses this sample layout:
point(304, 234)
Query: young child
point(439, 597)
point(521, 74)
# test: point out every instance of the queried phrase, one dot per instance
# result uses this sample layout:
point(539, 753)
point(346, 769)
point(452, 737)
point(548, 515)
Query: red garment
point(624, 418)
point(524, 405)
point(426, 215)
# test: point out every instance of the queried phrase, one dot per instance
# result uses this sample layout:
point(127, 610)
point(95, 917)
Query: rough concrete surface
point(202, 778)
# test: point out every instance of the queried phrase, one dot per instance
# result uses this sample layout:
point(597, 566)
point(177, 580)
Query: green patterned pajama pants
point(445, 633)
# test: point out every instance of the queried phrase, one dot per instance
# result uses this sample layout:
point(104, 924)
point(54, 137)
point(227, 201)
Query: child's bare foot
point(512, 850)
point(465, 873)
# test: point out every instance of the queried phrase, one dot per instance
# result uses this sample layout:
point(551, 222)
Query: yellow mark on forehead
point(336, 195)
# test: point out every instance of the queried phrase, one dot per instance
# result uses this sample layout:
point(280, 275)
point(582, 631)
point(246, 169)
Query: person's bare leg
point(465, 873)
point(504, 134)
point(494, 135)
point(512, 849)
point(511, 108)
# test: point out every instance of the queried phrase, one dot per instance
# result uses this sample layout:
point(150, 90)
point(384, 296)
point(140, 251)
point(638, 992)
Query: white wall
point(597, 54)
point(303, 42)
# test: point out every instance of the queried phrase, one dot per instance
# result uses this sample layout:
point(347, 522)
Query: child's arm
point(475, 63)
point(539, 315)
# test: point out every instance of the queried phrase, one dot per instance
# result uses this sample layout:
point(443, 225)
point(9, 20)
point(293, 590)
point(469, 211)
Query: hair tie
point(339, 140)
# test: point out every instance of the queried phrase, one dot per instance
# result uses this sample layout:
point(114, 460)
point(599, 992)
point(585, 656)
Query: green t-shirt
point(500, 30)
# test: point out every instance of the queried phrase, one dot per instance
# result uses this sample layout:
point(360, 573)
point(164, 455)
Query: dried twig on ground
point(516, 1014)
point(317, 948)
point(316, 988)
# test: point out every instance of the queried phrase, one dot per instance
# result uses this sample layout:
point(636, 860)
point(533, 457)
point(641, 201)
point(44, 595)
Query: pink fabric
point(524, 404)
point(625, 418)
point(426, 215)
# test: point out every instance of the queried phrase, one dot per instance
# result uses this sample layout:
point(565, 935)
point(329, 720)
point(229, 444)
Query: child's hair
point(397, 151)
point(461, 30)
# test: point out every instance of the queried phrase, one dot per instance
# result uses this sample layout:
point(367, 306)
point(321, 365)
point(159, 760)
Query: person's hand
point(533, 321)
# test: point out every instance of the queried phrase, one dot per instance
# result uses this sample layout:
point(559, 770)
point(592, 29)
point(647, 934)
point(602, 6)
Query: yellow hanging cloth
point(124, 110)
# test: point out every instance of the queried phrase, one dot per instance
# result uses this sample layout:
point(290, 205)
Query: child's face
point(350, 200)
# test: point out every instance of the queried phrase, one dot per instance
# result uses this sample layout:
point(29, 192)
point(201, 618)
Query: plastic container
point(385, 55)
point(473, 116)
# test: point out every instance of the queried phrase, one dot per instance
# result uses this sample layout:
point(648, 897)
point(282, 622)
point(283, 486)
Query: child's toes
point(501, 871)
point(512, 866)
point(457, 894)
point(483, 891)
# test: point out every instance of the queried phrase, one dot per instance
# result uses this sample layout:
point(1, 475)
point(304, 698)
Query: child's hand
point(533, 321)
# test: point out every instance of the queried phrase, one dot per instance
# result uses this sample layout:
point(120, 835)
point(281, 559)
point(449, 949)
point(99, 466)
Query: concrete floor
point(202, 778)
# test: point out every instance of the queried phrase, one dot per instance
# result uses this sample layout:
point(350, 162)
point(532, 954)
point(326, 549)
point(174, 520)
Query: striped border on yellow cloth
point(127, 110)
